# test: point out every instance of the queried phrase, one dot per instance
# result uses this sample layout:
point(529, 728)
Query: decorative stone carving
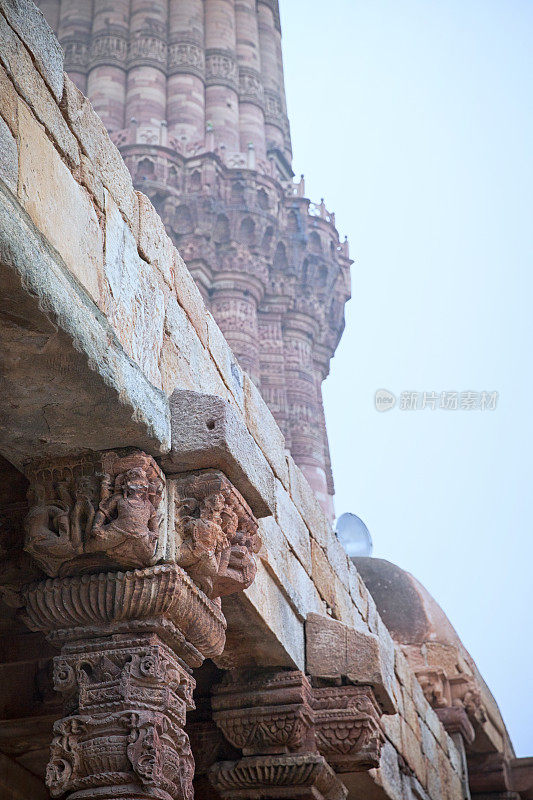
point(94, 513)
point(459, 691)
point(221, 68)
point(265, 713)
point(435, 687)
point(299, 776)
point(186, 57)
point(347, 729)
point(128, 697)
point(217, 533)
point(250, 86)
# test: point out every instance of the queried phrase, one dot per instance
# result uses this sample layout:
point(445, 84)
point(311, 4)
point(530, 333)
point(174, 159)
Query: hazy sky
point(414, 120)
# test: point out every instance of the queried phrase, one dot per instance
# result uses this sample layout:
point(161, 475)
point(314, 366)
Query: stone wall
point(90, 256)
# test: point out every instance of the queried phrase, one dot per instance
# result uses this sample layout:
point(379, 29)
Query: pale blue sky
point(414, 119)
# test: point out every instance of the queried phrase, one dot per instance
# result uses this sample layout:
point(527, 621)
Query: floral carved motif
point(93, 513)
point(217, 533)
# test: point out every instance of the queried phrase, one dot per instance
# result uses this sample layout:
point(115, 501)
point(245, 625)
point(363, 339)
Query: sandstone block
point(190, 298)
point(338, 559)
point(294, 580)
point(47, 190)
point(98, 147)
point(92, 182)
point(412, 752)
point(429, 743)
point(207, 432)
point(410, 713)
point(8, 101)
point(344, 608)
point(9, 166)
point(434, 785)
point(323, 576)
point(32, 88)
point(389, 775)
point(293, 527)
point(225, 361)
point(265, 430)
point(401, 667)
point(29, 22)
point(334, 650)
point(307, 504)
point(153, 242)
point(136, 306)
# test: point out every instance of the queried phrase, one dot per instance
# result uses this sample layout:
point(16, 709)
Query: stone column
point(293, 736)
point(221, 93)
point(268, 22)
point(251, 96)
point(133, 603)
point(307, 445)
point(74, 34)
point(272, 362)
point(186, 71)
point(146, 97)
point(234, 301)
point(106, 82)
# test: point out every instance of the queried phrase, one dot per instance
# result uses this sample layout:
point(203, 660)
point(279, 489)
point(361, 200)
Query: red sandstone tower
point(192, 92)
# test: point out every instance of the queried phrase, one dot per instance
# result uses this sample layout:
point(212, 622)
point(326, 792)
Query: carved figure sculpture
point(94, 513)
point(218, 534)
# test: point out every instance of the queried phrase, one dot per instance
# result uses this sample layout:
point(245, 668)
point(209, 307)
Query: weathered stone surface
point(265, 430)
point(81, 374)
point(32, 88)
point(46, 189)
point(190, 298)
point(154, 244)
point(334, 650)
point(9, 162)
point(294, 580)
point(136, 305)
point(208, 433)
point(30, 24)
point(8, 102)
point(307, 504)
point(225, 361)
point(98, 147)
point(293, 526)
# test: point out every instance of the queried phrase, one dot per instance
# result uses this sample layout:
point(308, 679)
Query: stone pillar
point(106, 82)
point(186, 72)
point(293, 736)
point(251, 96)
point(234, 301)
point(272, 363)
point(268, 22)
point(74, 34)
point(146, 97)
point(307, 445)
point(136, 564)
point(221, 93)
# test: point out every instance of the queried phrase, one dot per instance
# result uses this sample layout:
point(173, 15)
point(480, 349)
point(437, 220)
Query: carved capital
point(299, 776)
point(98, 511)
point(347, 728)
point(216, 533)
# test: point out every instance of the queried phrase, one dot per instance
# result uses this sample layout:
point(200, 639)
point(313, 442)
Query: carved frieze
point(94, 512)
point(347, 729)
point(147, 49)
point(109, 47)
point(128, 698)
point(76, 54)
point(221, 69)
point(217, 533)
point(251, 87)
point(186, 57)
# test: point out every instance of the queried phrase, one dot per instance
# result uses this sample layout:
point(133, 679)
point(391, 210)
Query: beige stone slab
point(265, 430)
point(307, 504)
point(323, 576)
point(98, 147)
point(47, 190)
point(8, 101)
point(29, 84)
point(29, 23)
point(8, 157)
point(153, 242)
point(293, 527)
point(190, 299)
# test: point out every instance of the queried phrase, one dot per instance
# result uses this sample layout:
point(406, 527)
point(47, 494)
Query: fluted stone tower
point(192, 92)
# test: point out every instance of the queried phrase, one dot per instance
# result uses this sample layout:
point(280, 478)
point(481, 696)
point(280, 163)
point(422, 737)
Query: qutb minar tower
point(192, 92)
